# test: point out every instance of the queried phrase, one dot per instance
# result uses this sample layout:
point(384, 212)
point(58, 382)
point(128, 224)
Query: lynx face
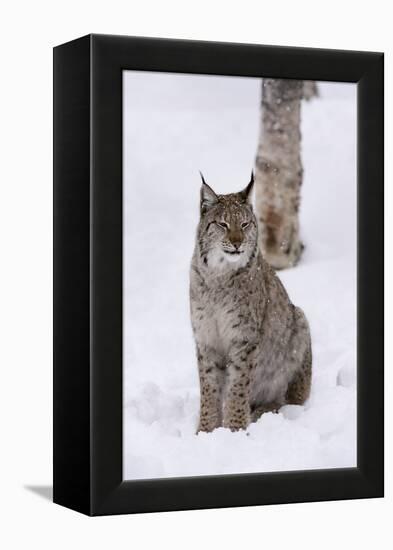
point(227, 229)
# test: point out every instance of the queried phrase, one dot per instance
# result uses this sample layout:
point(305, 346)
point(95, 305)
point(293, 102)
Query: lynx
point(253, 345)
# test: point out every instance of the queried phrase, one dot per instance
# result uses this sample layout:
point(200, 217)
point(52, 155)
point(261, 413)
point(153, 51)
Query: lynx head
point(227, 231)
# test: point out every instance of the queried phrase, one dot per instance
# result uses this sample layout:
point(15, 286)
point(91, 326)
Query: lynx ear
point(247, 192)
point(208, 196)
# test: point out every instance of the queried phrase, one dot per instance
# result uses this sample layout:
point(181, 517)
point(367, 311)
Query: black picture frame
point(88, 274)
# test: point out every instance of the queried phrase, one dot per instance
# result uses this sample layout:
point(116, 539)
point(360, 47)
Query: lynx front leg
point(237, 412)
point(211, 378)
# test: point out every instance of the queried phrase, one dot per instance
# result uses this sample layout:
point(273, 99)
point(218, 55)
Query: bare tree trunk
point(310, 89)
point(279, 170)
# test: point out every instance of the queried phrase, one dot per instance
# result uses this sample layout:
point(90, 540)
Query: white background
point(28, 32)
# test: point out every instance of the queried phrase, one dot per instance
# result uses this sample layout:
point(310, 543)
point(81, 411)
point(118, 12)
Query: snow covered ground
point(175, 125)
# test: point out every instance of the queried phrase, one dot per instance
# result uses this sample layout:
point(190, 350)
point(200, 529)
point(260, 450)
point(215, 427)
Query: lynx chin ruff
point(253, 345)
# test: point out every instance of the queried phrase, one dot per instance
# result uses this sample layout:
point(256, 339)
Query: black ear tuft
point(208, 196)
point(246, 193)
point(202, 178)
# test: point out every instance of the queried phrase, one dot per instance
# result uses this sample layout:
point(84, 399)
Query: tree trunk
point(279, 171)
point(310, 89)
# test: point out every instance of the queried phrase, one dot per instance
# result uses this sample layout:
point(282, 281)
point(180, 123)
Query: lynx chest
point(220, 315)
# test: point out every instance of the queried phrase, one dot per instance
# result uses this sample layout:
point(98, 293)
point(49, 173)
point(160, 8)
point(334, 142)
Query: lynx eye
point(245, 224)
point(224, 225)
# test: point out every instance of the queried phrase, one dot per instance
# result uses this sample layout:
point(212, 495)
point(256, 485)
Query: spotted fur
point(253, 345)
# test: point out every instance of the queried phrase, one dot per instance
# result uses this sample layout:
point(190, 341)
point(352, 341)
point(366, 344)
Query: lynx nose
point(235, 240)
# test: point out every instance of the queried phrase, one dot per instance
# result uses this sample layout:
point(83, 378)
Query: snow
point(175, 125)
